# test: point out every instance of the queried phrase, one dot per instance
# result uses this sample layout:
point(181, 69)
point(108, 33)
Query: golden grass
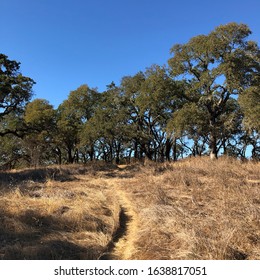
point(72, 219)
point(192, 209)
point(197, 209)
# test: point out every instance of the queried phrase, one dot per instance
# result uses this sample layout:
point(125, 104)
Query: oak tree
point(216, 68)
point(15, 91)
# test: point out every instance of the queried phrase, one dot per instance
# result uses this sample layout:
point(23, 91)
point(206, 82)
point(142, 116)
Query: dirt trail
point(121, 232)
point(121, 246)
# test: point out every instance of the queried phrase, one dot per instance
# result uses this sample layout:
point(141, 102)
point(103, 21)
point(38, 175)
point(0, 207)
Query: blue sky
point(63, 44)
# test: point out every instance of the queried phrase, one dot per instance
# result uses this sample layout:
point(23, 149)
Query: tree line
point(205, 101)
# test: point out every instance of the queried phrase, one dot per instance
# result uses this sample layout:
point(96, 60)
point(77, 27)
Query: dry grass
point(192, 209)
point(197, 209)
point(66, 218)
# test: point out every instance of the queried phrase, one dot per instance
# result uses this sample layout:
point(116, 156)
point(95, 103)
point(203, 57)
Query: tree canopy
point(216, 68)
point(205, 102)
point(15, 89)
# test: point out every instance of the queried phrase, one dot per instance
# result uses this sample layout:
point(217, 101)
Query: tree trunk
point(136, 156)
point(118, 153)
point(168, 146)
point(76, 156)
point(213, 146)
point(149, 153)
point(174, 149)
point(213, 138)
point(91, 154)
point(128, 157)
point(58, 152)
point(70, 157)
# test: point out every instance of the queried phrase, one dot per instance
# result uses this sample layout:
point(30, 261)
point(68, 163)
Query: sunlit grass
point(191, 209)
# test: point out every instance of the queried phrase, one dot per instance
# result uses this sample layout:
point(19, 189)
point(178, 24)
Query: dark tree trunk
point(136, 154)
point(174, 149)
point(118, 153)
point(70, 157)
point(168, 146)
point(224, 147)
point(149, 154)
point(213, 138)
point(76, 156)
point(91, 153)
point(58, 152)
point(213, 146)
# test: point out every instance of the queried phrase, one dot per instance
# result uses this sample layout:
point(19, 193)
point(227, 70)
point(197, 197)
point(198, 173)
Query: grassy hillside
point(192, 209)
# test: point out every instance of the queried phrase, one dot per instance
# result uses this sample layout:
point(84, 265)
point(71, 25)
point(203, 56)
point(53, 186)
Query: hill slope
point(192, 209)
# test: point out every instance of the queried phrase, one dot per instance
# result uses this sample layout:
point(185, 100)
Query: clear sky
point(63, 44)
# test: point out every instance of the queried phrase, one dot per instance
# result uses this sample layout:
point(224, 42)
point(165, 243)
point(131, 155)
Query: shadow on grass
point(37, 175)
point(120, 233)
point(36, 237)
point(60, 173)
point(51, 250)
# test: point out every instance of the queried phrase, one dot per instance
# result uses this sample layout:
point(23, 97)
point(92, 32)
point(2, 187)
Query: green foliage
point(15, 92)
point(82, 102)
point(40, 120)
point(108, 128)
point(189, 119)
point(12, 153)
point(72, 114)
point(250, 104)
point(15, 89)
point(206, 101)
point(39, 114)
point(215, 67)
